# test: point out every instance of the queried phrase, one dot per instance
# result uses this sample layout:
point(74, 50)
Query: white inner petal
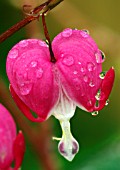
point(65, 108)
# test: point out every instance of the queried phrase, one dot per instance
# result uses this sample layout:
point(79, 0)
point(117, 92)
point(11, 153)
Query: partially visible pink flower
point(57, 88)
point(12, 147)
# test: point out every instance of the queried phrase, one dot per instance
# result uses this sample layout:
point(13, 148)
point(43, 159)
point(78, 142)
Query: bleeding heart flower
point(49, 88)
point(12, 147)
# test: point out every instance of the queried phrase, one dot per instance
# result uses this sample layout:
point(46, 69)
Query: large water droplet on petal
point(39, 73)
point(84, 33)
point(67, 32)
point(94, 113)
point(23, 43)
point(13, 53)
point(90, 66)
point(102, 75)
point(100, 57)
point(33, 64)
point(68, 60)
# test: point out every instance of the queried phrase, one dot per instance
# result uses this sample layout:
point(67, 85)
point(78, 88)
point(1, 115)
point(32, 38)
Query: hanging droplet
point(13, 54)
point(68, 60)
point(94, 113)
point(102, 75)
point(39, 73)
point(103, 55)
point(107, 102)
point(84, 33)
point(67, 32)
point(98, 95)
point(23, 43)
point(100, 57)
point(90, 66)
point(33, 64)
point(85, 78)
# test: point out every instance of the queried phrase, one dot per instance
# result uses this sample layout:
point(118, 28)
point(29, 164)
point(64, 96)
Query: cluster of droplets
point(69, 61)
point(23, 80)
point(68, 32)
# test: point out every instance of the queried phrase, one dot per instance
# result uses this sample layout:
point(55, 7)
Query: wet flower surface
point(57, 88)
point(12, 146)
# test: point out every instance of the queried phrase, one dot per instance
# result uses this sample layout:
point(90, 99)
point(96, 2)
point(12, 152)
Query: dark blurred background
point(99, 137)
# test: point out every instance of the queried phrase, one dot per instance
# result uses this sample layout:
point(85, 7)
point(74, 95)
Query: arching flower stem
point(48, 38)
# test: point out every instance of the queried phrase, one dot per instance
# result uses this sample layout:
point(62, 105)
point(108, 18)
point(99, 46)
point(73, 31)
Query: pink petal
point(106, 88)
point(79, 65)
point(24, 108)
point(7, 136)
point(33, 77)
point(19, 149)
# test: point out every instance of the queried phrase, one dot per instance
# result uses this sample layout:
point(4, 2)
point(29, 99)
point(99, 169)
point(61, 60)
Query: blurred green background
point(99, 137)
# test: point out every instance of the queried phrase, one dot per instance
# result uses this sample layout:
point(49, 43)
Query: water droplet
point(79, 63)
point(23, 43)
point(62, 55)
point(75, 72)
point(68, 60)
point(13, 53)
point(99, 57)
point(82, 69)
point(94, 113)
point(97, 95)
point(102, 75)
point(77, 84)
point(42, 43)
point(67, 32)
point(33, 64)
point(90, 66)
point(107, 102)
point(91, 84)
point(103, 55)
point(25, 88)
point(21, 84)
point(85, 78)
point(89, 103)
point(39, 73)
point(84, 33)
